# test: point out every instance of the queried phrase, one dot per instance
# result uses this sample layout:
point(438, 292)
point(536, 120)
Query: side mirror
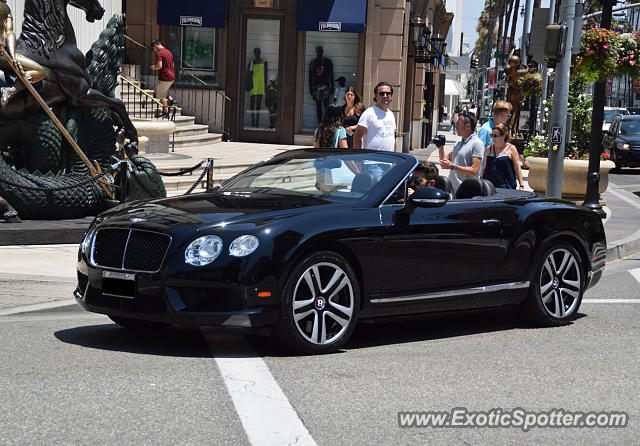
point(429, 197)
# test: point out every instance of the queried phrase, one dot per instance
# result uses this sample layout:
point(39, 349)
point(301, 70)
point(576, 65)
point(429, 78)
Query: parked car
point(622, 141)
point(308, 243)
point(609, 114)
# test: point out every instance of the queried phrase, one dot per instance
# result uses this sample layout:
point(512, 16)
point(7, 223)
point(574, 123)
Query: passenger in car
point(424, 175)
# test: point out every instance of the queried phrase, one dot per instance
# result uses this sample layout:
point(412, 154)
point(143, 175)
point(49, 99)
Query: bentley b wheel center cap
point(556, 282)
point(320, 303)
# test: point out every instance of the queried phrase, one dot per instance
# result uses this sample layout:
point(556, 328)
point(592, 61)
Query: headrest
point(475, 187)
point(362, 183)
point(445, 185)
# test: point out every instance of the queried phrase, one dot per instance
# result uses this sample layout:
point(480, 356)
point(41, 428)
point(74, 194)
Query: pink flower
point(632, 62)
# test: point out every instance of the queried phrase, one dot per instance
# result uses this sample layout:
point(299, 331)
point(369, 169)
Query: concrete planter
point(157, 131)
point(574, 178)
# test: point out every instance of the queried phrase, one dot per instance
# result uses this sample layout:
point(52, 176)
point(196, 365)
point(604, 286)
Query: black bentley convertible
point(305, 244)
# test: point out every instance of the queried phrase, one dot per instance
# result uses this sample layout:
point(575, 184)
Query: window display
point(198, 51)
point(261, 75)
point(331, 61)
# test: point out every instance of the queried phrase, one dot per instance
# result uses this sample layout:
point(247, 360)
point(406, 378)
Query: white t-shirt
point(381, 129)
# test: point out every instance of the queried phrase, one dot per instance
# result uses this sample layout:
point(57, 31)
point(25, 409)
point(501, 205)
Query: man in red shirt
point(166, 75)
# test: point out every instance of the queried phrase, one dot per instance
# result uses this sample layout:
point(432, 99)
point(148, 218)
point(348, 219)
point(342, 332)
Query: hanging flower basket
point(629, 55)
point(531, 85)
point(598, 58)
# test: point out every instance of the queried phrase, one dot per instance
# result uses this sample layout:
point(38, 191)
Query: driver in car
point(424, 175)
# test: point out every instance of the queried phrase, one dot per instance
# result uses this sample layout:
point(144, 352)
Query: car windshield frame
point(624, 124)
point(324, 174)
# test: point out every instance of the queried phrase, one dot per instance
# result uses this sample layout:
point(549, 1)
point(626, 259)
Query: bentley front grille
point(129, 249)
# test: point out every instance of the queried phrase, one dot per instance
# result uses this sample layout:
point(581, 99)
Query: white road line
point(635, 273)
point(38, 307)
point(266, 414)
point(611, 301)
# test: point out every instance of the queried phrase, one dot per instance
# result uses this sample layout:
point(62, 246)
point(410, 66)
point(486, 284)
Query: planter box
point(574, 178)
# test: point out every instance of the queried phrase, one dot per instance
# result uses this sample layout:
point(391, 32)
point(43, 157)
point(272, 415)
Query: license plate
point(118, 275)
point(119, 284)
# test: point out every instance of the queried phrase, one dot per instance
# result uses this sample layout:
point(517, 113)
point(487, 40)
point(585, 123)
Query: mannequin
point(257, 72)
point(321, 81)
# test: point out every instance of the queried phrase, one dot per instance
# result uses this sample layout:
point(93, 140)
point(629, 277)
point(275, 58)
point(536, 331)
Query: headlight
point(623, 146)
point(203, 250)
point(86, 241)
point(243, 245)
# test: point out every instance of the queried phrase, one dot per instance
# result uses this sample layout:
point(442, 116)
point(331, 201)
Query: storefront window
point(261, 75)
point(331, 61)
point(197, 49)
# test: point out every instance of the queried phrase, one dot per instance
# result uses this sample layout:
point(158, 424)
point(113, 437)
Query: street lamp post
point(592, 200)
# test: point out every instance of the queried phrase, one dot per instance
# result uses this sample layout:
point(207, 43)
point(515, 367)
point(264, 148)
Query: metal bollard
point(209, 174)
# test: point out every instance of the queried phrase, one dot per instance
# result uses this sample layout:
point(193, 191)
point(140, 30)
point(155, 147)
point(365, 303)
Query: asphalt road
point(71, 377)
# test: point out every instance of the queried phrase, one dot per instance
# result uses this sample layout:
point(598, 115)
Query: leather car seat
point(444, 185)
point(362, 183)
point(475, 187)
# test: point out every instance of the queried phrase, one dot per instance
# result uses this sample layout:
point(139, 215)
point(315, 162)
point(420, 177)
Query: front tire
point(139, 324)
point(320, 303)
point(556, 291)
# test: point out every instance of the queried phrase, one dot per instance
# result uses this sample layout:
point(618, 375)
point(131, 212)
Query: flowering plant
point(598, 58)
point(628, 58)
point(531, 84)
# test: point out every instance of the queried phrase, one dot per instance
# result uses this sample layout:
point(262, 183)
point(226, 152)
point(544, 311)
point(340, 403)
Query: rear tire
point(139, 324)
point(556, 291)
point(320, 303)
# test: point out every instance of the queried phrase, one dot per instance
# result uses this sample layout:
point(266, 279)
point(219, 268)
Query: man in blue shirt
point(501, 114)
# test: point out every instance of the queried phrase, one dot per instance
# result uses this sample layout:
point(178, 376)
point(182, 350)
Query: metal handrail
point(147, 94)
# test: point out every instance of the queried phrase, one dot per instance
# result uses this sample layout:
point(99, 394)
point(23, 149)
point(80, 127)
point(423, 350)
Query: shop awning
point(208, 14)
point(347, 16)
point(453, 88)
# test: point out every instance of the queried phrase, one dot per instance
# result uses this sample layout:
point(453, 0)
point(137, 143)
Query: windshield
point(609, 115)
point(341, 177)
point(630, 128)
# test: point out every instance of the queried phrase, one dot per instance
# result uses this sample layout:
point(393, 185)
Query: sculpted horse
point(48, 38)
point(40, 176)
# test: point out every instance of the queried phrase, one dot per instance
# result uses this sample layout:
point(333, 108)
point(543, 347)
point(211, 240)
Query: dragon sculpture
point(41, 177)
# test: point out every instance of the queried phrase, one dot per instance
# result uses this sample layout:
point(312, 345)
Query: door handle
point(490, 221)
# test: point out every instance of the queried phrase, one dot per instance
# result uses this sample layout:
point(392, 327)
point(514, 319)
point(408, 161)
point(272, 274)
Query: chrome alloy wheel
point(323, 303)
point(560, 283)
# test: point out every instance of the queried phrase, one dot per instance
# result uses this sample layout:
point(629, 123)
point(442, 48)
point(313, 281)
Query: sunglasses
point(384, 93)
point(415, 181)
point(496, 135)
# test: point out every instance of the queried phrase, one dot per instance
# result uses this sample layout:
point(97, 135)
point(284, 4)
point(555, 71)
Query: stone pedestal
point(157, 131)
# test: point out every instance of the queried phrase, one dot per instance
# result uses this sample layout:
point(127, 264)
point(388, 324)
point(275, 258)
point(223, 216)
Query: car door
point(456, 246)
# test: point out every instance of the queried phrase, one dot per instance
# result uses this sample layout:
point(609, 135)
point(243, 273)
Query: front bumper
point(629, 158)
point(193, 302)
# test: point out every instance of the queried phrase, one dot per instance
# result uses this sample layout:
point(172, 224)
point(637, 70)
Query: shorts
point(162, 89)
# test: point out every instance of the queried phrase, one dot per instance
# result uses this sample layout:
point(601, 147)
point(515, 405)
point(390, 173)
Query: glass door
point(261, 77)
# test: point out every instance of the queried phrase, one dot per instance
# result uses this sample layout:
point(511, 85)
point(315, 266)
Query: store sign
point(189, 20)
point(330, 26)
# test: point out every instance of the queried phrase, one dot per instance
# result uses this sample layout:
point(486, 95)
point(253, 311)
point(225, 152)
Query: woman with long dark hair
point(330, 132)
point(351, 111)
point(502, 160)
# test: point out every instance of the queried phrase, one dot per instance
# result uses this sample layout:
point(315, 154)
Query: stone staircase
point(187, 133)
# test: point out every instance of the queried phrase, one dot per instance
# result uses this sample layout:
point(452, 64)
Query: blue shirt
point(485, 133)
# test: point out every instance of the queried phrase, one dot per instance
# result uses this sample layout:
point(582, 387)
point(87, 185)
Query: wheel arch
point(571, 238)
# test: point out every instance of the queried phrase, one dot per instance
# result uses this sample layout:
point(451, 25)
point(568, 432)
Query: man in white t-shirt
point(377, 126)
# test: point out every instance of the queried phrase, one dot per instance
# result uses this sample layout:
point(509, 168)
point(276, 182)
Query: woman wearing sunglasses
point(502, 160)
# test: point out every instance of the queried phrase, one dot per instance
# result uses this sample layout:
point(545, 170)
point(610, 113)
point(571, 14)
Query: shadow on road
point(180, 341)
point(188, 341)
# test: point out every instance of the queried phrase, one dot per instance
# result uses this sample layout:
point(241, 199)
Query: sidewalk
point(44, 266)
